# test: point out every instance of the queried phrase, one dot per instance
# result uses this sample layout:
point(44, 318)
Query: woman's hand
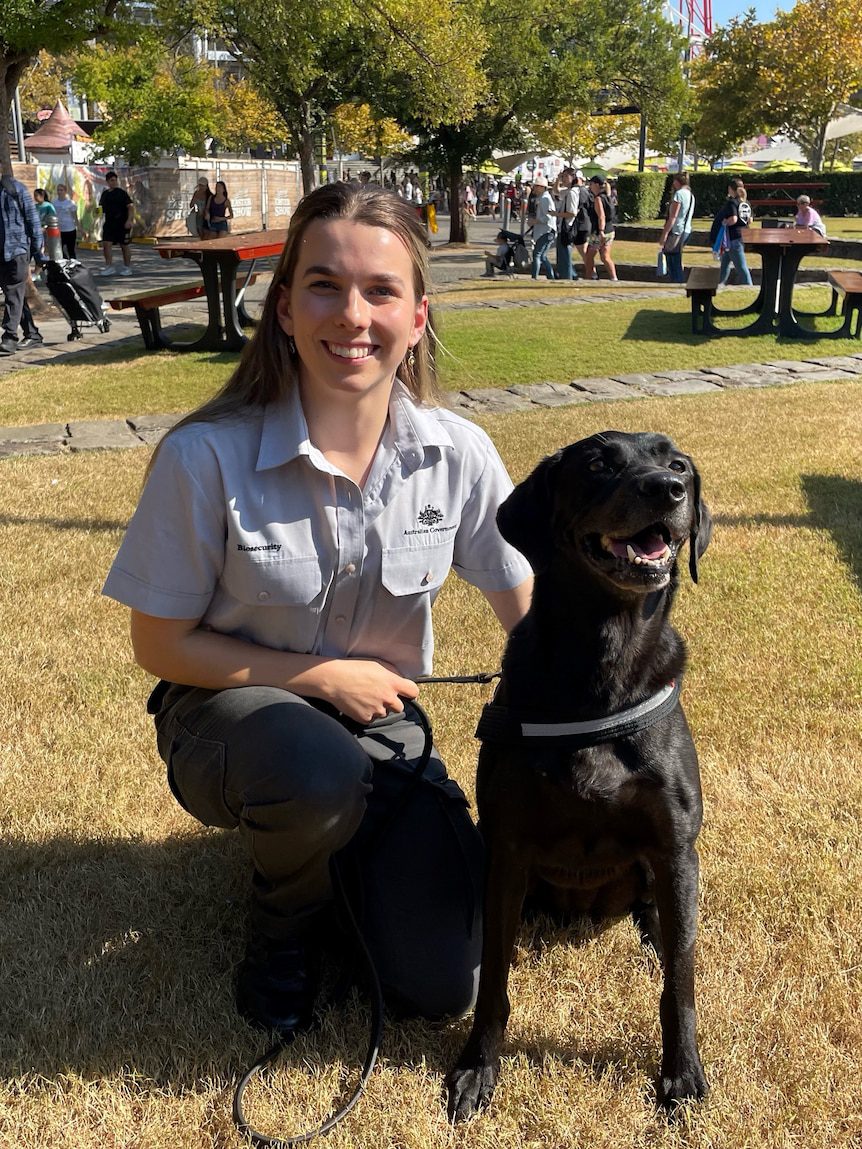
point(364, 689)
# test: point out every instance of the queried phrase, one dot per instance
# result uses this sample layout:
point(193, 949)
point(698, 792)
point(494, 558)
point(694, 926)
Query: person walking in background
point(67, 216)
point(734, 215)
point(544, 224)
point(806, 216)
point(201, 197)
point(567, 210)
point(287, 632)
point(118, 211)
point(582, 218)
point(677, 226)
point(50, 225)
point(218, 212)
point(602, 224)
point(20, 241)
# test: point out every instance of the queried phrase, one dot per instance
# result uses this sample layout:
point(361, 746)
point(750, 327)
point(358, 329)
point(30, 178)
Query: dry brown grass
point(121, 920)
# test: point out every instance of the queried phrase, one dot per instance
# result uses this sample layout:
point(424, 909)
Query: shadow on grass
point(62, 524)
point(835, 506)
point(118, 957)
point(672, 327)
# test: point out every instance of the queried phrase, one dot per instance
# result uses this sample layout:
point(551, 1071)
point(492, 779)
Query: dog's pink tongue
point(648, 546)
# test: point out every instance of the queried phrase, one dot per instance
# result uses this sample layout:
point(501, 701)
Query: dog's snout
point(662, 484)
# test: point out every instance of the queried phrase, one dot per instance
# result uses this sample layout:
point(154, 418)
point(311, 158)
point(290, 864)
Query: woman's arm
point(179, 650)
point(228, 209)
point(510, 606)
point(600, 214)
point(673, 212)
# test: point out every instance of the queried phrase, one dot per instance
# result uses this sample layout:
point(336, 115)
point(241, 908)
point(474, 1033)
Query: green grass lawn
point(482, 349)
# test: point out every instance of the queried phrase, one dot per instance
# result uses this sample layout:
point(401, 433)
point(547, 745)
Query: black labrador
point(588, 787)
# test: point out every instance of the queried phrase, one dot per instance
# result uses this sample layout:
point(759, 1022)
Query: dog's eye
point(677, 465)
point(597, 465)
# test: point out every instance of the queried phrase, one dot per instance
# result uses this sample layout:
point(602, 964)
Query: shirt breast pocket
point(287, 581)
point(415, 570)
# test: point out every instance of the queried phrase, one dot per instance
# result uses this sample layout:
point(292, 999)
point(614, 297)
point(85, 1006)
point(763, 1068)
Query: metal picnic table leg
point(233, 337)
point(765, 322)
point(788, 326)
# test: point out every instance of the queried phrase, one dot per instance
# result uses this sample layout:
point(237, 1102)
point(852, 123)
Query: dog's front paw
point(470, 1089)
point(688, 1083)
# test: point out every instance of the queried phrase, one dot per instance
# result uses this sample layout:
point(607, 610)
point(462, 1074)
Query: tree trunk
point(306, 162)
point(457, 221)
point(818, 148)
point(11, 70)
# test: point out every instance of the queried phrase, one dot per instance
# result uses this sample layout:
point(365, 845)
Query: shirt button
point(263, 595)
point(350, 568)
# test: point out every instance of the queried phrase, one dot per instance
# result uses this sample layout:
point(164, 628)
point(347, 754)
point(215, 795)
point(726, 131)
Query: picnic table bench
point(784, 194)
point(147, 305)
point(700, 287)
point(848, 284)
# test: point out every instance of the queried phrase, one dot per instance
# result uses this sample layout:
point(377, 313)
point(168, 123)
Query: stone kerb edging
point(146, 430)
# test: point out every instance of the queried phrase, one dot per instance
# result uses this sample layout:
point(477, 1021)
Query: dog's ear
point(525, 517)
point(701, 528)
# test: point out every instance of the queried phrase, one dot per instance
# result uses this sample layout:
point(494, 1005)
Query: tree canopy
point(29, 26)
point(787, 76)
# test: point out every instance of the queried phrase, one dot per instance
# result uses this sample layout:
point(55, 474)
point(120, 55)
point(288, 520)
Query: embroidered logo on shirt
point(430, 516)
point(267, 547)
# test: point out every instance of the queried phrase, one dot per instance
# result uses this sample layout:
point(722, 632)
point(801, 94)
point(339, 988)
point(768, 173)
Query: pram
point(74, 291)
point(518, 255)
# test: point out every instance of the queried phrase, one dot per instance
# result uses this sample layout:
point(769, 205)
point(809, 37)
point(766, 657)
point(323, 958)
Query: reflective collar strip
point(499, 723)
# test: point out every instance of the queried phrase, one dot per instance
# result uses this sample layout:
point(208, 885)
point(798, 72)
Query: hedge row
point(644, 195)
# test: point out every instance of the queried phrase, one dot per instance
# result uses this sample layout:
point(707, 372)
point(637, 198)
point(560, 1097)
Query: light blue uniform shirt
point(245, 525)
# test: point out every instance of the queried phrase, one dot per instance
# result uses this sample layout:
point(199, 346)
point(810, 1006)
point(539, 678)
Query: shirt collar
point(284, 434)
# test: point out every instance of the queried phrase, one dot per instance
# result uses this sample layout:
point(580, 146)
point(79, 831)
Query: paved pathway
point(450, 266)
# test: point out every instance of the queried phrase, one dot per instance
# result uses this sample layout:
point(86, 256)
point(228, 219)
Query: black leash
point(261, 1140)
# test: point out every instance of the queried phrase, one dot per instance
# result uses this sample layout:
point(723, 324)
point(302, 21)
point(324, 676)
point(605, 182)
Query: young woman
point(201, 197)
point(50, 224)
point(281, 567)
point(67, 216)
point(218, 212)
point(602, 224)
point(677, 226)
point(735, 214)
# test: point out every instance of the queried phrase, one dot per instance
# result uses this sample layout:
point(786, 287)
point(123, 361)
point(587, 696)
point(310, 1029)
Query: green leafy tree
point(153, 101)
point(310, 57)
point(544, 57)
point(790, 75)
point(42, 84)
point(29, 26)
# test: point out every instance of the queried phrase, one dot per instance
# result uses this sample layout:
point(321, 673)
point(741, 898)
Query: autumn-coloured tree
point(813, 64)
point(579, 135)
point(358, 128)
point(42, 84)
point(788, 76)
point(244, 117)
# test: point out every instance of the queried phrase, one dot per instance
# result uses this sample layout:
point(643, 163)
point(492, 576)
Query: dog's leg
point(682, 1077)
point(472, 1081)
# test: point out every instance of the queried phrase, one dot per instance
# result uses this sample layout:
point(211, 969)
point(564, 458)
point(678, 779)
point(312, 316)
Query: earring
point(291, 346)
point(411, 359)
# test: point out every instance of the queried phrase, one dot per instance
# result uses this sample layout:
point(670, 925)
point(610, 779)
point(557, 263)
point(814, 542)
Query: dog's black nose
point(658, 484)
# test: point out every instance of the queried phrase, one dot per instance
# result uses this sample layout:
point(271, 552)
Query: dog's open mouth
point(642, 558)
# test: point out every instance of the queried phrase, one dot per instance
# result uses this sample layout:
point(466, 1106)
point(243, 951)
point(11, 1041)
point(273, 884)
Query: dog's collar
point(504, 724)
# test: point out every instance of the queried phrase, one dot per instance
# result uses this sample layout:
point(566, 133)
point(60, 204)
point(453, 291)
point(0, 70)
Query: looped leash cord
point(488, 676)
point(261, 1140)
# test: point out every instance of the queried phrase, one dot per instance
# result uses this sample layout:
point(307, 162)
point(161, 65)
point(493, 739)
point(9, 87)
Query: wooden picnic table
point(219, 260)
point(785, 193)
point(781, 251)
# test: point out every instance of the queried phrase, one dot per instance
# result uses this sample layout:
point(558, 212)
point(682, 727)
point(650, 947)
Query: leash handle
point(487, 676)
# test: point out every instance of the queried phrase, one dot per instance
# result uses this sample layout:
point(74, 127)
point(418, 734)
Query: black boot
point(278, 982)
